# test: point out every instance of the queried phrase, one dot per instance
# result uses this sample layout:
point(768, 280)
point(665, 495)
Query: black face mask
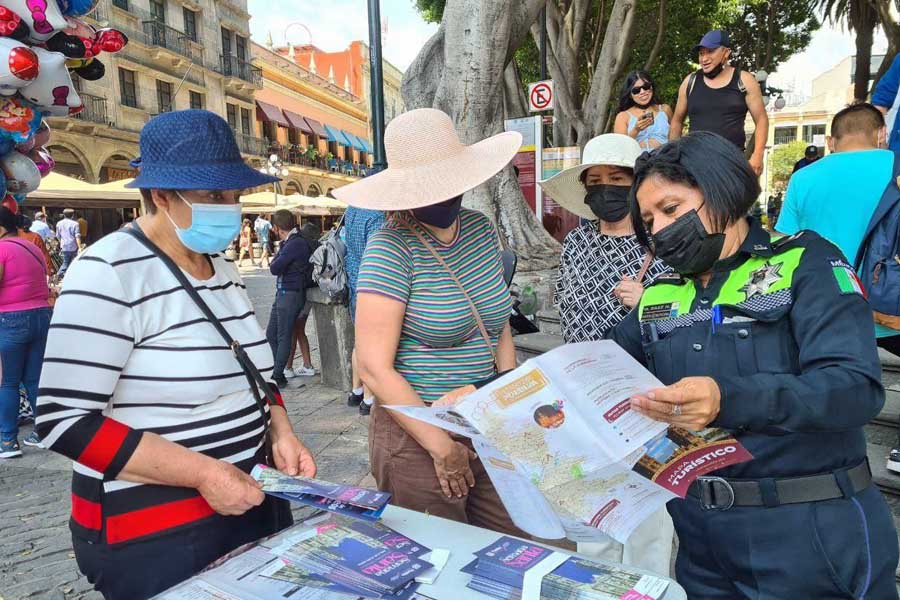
point(686, 246)
point(608, 202)
point(441, 215)
point(715, 72)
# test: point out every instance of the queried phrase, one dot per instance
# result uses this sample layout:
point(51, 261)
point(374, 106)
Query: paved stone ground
point(36, 560)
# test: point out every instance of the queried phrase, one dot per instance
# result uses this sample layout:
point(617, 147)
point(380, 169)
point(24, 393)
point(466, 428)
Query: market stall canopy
point(298, 122)
point(271, 113)
point(316, 127)
point(267, 202)
point(67, 192)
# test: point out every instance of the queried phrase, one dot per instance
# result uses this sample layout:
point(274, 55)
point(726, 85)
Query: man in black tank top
point(718, 97)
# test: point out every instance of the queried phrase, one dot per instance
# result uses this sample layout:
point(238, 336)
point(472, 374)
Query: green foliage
point(781, 162)
point(432, 10)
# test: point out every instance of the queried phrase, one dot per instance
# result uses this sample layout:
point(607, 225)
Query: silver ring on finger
point(676, 410)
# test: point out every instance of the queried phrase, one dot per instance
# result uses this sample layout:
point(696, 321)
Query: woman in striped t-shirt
point(145, 395)
point(417, 336)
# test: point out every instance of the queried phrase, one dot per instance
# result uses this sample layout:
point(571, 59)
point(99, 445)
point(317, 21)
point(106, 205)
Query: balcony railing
point(160, 34)
point(294, 155)
point(94, 109)
point(232, 66)
point(250, 145)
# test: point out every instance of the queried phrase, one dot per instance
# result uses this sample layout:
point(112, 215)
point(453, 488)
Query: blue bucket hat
point(192, 150)
point(714, 39)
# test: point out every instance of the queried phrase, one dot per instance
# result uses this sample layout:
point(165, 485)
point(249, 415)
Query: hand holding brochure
point(562, 426)
point(351, 501)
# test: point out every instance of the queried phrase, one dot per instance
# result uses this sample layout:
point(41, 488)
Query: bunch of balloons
point(42, 42)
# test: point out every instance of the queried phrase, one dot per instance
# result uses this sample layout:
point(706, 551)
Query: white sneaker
point(305, 372)
point(289, 373)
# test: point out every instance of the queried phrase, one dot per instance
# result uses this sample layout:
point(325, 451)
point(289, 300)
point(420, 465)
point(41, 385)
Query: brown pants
point(402, 467)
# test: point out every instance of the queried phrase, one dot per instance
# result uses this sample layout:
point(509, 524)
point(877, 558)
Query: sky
point(334, 27)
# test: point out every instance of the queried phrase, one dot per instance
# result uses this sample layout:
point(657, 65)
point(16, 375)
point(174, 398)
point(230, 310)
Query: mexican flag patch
point(846, 279)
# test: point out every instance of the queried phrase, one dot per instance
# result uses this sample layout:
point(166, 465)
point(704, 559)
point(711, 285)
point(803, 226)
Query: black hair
point(7, 220)
point(545, 410)
point(23, 222)
point(284, 219)
point(861, 118)
point(706, 162)
point(625, 99)
point(584, 174)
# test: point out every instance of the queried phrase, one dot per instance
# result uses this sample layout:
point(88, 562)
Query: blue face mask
point(213, 226)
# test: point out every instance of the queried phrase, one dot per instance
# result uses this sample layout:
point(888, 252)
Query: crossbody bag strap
point(29, 252)
point(472, 307)
point(648, 260)
point(258, 384)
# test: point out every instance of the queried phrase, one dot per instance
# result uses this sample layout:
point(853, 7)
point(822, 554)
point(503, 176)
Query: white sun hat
point(613, 149)
point(427, 163)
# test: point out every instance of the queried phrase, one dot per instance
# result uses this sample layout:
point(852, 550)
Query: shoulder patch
point(782, 242)
point(847, 281)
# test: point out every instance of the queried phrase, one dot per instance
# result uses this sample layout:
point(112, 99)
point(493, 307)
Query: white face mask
point(213, 226)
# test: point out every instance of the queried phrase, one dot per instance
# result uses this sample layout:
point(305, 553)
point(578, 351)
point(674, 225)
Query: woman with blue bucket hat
point(157, 378)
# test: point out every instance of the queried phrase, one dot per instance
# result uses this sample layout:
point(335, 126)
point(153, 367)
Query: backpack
point(878, 260)
point(329, 271)
point(313, 246)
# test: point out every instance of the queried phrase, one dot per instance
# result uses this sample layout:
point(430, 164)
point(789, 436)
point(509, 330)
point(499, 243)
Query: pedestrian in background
point(360, 224)
point(887, 100)
point(290, 267)
point(310, 233)
point(602, 274)
point(40, 227)
point(263, 228)
point(24, 320)
point(810, 155)
point(69, 233)
point(718, 97)
point(245, 243)
point(819, 199)
point(146, 395)
point(432, 312)
point(642, 115)
point(24, 225)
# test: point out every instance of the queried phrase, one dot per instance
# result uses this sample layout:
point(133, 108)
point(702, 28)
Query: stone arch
point(329, 193)
point(314, 190)
point(79, 167)
point(293, 187)
point(118, 160)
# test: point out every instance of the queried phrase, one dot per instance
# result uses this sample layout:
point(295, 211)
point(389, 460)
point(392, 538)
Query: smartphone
point(647, 115)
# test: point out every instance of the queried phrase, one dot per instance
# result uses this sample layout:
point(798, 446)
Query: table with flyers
point(460, 539)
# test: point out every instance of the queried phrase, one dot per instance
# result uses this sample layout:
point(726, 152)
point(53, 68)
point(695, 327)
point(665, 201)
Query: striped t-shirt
point(128, 352)
point(441, 347)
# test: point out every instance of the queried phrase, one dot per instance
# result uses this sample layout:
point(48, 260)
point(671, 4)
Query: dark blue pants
point(280, 331)
point(23, 337)
point(142, 569)
point(67, 257)
point(843, 548)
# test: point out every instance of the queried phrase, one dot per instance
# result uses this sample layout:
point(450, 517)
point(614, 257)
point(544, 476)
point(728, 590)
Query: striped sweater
point(440, 347)
point(129, 352)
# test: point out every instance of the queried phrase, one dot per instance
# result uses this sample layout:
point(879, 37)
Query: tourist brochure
point(500, 570)
point(568, 456)
point(347, 500)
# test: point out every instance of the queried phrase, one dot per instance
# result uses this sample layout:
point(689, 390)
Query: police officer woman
point(766, 339)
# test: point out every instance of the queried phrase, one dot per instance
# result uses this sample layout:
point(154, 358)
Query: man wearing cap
point(69, 233)
point(718, 96)
point(810, 155)
point(40, 227)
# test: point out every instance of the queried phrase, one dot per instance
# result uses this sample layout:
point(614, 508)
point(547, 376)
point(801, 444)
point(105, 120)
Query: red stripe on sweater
point(146, 521)
point(86, 513)
point(102, 448)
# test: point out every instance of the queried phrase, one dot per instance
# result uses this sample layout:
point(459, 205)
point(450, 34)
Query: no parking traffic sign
point(540, 96)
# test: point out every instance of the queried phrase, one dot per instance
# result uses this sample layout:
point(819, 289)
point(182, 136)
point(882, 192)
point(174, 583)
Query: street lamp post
point(275, 167)
point(376, 72)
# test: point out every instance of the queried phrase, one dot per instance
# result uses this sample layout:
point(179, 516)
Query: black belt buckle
point(713, 488)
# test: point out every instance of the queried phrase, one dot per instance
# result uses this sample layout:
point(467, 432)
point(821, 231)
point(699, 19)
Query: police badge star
point(761, 279)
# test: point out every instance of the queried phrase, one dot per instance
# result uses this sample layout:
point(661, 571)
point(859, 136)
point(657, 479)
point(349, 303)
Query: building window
point(270, 131)
point(123, 4)
point(785, 135)
point(158, 11)
point(293, 136)
point(246, 129)
point(196, 99)
point(231, 115)
point(810, 131)
point(190, 24)
point(129, 88)
point(164, 95)
point(226, 42)
point(240, 44)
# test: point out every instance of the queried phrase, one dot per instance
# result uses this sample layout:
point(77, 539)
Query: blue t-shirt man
point(835, 197)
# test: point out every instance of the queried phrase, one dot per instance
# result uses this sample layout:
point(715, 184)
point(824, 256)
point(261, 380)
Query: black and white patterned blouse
point(591, 268)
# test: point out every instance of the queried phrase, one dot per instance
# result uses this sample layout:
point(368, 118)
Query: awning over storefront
point(334, 135)
point(354, 141)
point(316, 127)
point(298, 122)
point(271, 113)
point(368, 146)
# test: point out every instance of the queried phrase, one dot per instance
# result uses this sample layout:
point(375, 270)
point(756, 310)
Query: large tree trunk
point(864, 19)
point(892, 33)
point(461, 71)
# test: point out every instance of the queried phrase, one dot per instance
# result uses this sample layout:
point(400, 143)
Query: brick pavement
point(36, 560)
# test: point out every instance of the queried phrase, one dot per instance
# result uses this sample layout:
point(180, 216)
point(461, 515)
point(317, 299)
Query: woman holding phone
point(641, 114)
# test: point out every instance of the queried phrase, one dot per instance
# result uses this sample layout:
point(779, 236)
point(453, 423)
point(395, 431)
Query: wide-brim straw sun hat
point(427, 163)
point(612, 149)
point(192, 150)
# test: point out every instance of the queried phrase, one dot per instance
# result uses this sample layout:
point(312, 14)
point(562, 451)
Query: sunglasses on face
point(641, 88)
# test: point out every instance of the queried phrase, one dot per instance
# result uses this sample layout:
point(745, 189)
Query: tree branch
point(660, 35)
point(770, 38)
point(514, 100)
point(598, 39)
